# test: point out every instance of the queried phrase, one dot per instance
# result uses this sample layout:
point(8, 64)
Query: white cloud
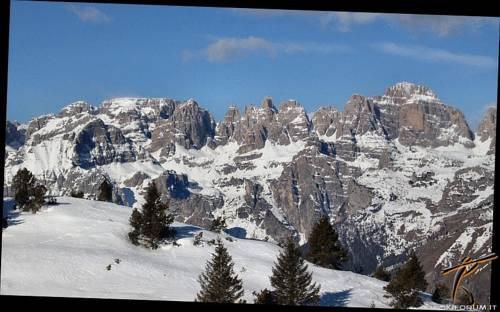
point(227, 49)
point(440, 25)
point(435, 55)
point(344, 21)
point(89, 14)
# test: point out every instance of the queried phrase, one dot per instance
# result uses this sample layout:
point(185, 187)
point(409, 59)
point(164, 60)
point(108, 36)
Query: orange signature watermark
point(465, 269)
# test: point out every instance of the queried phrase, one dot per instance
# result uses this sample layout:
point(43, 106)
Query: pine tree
point(77, 194)
point(136, 223)
point(381, 274)
point(105, 191)
point(29, 194)
point(152, 224)
point(324, 247)
point(291, 282)
point(265, 296)
point(218, 225)
point(406, 283)
point(219, 283)
point(36, 199)
point(23, 183)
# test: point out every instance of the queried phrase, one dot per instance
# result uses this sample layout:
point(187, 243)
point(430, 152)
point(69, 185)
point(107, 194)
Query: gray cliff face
point(326, 120)
point(310, 186)
point(100, 144)
point(15, 137)
point(416, 116)
point(487, 128)
point(189, 126)
point(77, 108)
point(258, 125)
point(394, 172)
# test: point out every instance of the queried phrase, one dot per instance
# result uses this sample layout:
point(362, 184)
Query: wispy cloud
point(344, 21)
point(89, 14)
point(435, 55)
point(440, 25)
point(227, 49)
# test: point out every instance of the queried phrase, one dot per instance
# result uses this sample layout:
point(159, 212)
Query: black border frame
point(428, 7)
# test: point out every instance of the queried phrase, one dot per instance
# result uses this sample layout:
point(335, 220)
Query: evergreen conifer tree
point(291, 281)
point(218, 225)
point(324, 246)
point(136, 223)
point(152, 224)
point(77, 194)
point(105, 191)
point(381, 274)
point(406, 284)
point(29, 195)
point(265, 296)
point(23, 183)
point(219, 283)
point(36, 199)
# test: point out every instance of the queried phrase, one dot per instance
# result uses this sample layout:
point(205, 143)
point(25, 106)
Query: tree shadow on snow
point(237, 232)
point(13, 216)
point(337, 299)
point(185, 231)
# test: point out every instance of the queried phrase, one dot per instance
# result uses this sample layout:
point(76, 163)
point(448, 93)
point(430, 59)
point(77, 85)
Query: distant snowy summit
point(410, 90)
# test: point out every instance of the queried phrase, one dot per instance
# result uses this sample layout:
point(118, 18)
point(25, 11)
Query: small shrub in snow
point(197, 239)
point(76, 194)
point(105, 191)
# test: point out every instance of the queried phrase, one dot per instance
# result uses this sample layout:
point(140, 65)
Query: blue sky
point(60, 53)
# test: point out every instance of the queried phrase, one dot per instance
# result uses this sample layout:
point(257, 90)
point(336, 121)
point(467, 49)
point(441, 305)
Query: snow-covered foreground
point(64, 251)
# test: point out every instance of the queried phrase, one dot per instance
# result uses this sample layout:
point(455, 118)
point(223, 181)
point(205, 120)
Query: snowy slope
point(64, 251)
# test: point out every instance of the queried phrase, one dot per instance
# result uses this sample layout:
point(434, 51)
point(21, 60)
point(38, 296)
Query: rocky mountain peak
point(267, 103)
point(232, 115)
point(76, 108)
point(487, 128)
point(408, 90)
point(190, 102)
point(290, 104)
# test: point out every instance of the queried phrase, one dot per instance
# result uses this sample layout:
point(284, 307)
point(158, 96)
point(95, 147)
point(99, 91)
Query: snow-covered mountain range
point(394, 172)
